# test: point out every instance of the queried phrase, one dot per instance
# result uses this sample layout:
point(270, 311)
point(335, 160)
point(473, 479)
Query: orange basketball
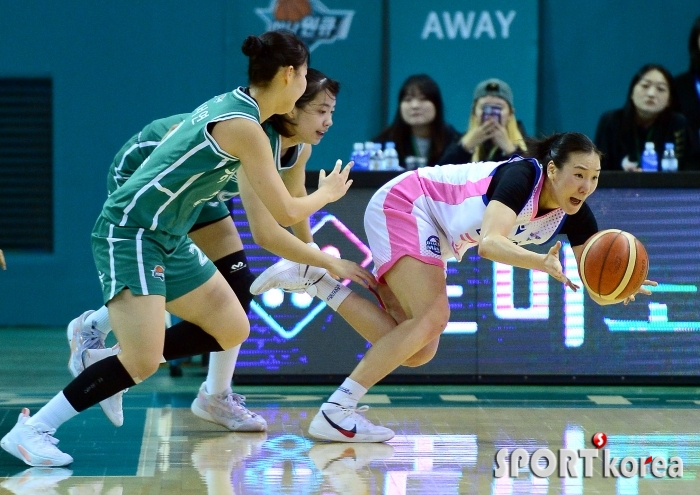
point(614, 264)
point(292, 10)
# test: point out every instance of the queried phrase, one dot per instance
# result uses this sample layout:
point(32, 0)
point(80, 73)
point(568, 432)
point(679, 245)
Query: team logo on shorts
point(432, 244)
point(159, 273)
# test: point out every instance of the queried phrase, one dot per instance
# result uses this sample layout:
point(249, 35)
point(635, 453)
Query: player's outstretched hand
point(342, 269)
point(2, 261)
point(642, 290)
point(335, 184)
point(552, 265)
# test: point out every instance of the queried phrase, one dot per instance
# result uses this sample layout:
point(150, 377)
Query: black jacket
point(615, 143)
point(689, 103)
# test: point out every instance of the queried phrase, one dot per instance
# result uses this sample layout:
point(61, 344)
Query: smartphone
point(492, 112)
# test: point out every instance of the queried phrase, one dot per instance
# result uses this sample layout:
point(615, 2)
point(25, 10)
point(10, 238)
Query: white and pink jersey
point(435, 213)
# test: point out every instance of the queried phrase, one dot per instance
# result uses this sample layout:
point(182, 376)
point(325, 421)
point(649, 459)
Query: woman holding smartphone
point(494, 134)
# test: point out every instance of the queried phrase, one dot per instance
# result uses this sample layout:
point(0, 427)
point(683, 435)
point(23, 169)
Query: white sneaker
point(81, 336)
point(228, 410)
point(288, 276)
point(36, 480)
point(112, 406)
point(35, 445)
point(345, 424)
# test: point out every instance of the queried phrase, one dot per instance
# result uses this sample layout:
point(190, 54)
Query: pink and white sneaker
point(34, 444)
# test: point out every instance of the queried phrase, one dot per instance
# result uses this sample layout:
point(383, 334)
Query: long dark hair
point(558, 147)
point(693, 48)
point(316, 82)
point(270, 51)
point(400, 132)
point(629, 111)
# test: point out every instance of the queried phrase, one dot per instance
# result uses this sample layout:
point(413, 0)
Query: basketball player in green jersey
point(146, 262)
point(291, 137)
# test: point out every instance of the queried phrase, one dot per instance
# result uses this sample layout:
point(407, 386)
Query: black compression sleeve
point(98, 382)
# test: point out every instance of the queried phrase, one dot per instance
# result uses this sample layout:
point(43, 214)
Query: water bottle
point(391, 156)
point(650, 160)
point(376, 158)
point(360, 157)
point(669, 162)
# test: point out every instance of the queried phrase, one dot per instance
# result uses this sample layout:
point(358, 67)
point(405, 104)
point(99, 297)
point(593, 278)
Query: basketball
point(292, 10)
point(614, 264)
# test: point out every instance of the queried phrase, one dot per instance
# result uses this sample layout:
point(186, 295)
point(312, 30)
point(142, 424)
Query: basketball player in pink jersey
point(416, 222)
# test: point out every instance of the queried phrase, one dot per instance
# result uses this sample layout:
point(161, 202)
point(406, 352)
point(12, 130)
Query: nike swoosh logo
point(343, 431)
point(519, 230)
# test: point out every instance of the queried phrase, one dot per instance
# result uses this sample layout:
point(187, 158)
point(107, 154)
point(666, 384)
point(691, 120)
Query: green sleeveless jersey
point(281, 162)
point(137, 149)
point(187, 170)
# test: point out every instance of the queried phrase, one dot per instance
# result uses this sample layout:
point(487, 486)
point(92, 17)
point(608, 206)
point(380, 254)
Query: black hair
point(558, 147)
point(270, 51)
point(629, 111)
point(316, 82)
point(693, 48)
point(400, 132)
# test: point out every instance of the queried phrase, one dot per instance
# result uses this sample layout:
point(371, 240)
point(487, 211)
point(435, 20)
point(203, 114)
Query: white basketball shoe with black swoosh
point(345, 424)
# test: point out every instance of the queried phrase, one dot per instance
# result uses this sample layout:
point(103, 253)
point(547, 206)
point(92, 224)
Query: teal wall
point(462, 43)
point(590, 50)
point(118, 64)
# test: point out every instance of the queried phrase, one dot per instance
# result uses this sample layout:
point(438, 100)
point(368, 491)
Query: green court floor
point(447, 435)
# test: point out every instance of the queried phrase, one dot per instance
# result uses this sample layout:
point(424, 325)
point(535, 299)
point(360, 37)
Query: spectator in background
point(419, 127)
point(688, 89)
point(493, 134)
point(648, 115)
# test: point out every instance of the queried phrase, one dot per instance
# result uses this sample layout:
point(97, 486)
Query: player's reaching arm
point(2, 261)
point(270, 236)
point(246, 140)
point(295, 181)
point(498, 221)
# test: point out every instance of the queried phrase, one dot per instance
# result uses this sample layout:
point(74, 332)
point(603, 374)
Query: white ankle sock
point(55, 413)
point(332, 292)
point(221, 366)
point(348, 393)
point(100, 321)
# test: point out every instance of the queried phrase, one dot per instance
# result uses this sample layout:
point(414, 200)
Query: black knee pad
point(234, 268)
